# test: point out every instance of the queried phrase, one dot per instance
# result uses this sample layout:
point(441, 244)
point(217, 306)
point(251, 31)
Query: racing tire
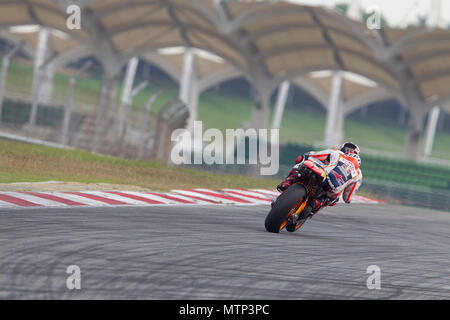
point(277, 217)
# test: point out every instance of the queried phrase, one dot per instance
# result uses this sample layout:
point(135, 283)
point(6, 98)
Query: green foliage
point(366, 16)
point(20, 162)
point(342, 7)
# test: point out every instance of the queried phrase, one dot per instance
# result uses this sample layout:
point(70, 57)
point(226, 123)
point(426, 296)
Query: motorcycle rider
point(343, 174)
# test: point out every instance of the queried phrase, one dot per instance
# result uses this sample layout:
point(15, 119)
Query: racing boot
point(284, 185)
point(287, 182)
point(318, 204)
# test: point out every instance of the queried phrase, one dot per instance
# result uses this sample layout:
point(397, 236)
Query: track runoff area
point(211, 244)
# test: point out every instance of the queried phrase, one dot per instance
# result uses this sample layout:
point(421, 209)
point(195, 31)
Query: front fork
point(299, 213)
point(298, 216)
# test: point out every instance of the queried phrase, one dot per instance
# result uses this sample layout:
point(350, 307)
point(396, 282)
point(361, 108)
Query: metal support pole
point(414, 133)
point(133, 94)
point(105, 98)
point(41, 50)
point(339, 136)
point(433, 117)
point(35, 98)
point(188, 86)
point(39, 79)
point(281, 103)
point(46, 87)
point(259, 120)
point(145, 136)
point(333, 110)
point(435, 16)
point(68, 109)
point(260, 110)
point(188, 67)
point(354, 10)
point(126, 91)
point(193, 103)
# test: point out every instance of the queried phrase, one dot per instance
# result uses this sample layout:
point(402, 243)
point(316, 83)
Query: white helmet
point(350, 147)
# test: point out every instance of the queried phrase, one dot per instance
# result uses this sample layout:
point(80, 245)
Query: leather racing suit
point(344, 176)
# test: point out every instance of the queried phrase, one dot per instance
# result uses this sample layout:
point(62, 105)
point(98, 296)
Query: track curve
point(223, 252)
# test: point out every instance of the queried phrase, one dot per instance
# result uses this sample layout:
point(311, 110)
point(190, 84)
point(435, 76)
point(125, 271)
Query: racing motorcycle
point(292, 208)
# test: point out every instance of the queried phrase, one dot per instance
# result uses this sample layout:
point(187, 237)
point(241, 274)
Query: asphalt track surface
point(223, 252)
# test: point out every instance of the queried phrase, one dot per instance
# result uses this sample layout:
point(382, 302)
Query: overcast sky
point(395, 11)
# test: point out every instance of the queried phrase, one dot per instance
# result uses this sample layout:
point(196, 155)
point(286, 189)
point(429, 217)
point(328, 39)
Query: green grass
point(32, 163)
point(20, 78)
point(222, 111)
point(302, 128)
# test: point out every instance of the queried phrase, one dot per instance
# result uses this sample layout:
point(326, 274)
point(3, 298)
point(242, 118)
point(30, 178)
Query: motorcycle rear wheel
point(291, 198)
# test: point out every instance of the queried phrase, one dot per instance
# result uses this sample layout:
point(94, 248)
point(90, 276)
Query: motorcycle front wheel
point(289, 200)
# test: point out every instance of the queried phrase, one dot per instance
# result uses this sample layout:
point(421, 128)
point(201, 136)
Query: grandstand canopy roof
point(426, 55)
point(205, 63)
point(59, 41)
point(352, 85)
point(264, 39)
